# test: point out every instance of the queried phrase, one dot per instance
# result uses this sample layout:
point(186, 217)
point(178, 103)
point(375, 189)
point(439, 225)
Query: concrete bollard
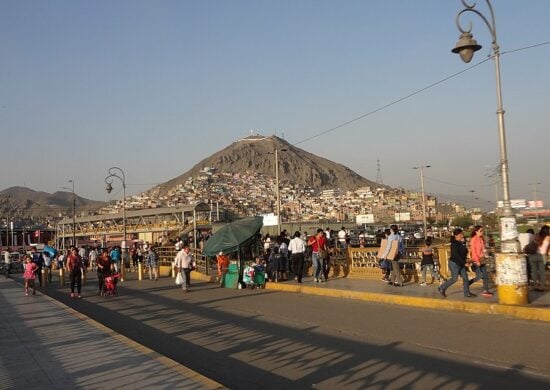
point(140, 271)
point(44, 276)
point(61, 277)
point(511, 279)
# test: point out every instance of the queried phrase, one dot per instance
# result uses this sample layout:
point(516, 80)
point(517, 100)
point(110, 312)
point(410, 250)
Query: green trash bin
point(231, 277)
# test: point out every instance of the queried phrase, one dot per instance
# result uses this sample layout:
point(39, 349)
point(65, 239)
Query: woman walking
point(457, 265)
point(478, 254)
point(75, 266)
point(537, 260)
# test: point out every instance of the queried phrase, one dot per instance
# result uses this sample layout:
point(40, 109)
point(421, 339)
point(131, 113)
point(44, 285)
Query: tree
point(463, 222)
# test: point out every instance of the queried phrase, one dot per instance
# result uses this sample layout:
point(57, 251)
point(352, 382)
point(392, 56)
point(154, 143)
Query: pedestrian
point(393, 256)
point(29, 274)
point(48, 265)
point(297, 248)
point(184, 262)
point(115, 258)
point(318, 244)
point(537, 260)
point(457, 264)
point(38, 259)
point(92, 256)
point(283, 263)
point(222, 261)
point(74, 267)
point(342, 238)
point(103, 269)
point(7, 262)
point(524, 240)
point(152, 264)
point(427, 263)
point(478, 256)
point(385, 264)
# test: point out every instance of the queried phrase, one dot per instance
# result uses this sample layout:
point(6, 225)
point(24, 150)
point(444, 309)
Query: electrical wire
point(406, 97)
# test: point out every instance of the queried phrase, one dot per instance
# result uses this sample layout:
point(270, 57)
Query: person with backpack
point(74, 267)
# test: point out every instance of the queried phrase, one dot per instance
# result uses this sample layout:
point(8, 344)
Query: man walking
point(184, 262)
point(297, 247)
point(7, 262)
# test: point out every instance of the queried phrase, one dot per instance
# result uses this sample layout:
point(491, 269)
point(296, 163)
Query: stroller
point(109, 285)
point(254, 276)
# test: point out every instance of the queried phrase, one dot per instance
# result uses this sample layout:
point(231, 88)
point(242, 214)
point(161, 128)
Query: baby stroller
point(109, 285)
point(254, 276)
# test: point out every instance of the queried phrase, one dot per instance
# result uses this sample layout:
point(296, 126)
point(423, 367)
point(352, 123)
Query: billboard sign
point(402, 217)
point(362, 219)
point(538, 204)
point(515, 203)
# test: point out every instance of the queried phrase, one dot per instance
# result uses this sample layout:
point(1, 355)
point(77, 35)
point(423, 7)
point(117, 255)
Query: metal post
point(119, 174)
point(511, 269)
point(278, 194)
point(74, 214)
point(424, 220)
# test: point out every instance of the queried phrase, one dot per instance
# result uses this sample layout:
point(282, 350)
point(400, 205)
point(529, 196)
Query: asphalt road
point(257, 339)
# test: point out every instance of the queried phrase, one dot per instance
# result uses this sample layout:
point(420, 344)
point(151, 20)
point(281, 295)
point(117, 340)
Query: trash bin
point(231, 277)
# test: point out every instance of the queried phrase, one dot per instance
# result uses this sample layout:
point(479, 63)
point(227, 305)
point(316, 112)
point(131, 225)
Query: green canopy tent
point(233, 237)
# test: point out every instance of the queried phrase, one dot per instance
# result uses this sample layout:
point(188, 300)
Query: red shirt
point(318, 243)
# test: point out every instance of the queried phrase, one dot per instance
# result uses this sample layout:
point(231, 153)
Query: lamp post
point(116, 172)
point(465, 47)
point(425, 224)
point(511, 268)
point(278, 188)
point(74, 213)
point(534, 185)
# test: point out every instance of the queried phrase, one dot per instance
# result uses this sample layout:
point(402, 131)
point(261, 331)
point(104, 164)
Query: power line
point(414, 93)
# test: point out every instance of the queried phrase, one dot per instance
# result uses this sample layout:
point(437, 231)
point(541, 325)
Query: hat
point(221, 253)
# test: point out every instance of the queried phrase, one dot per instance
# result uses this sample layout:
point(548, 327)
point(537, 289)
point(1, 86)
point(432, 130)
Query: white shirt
point(297, 245)
point(183, 260)
point(342, 236)
point(7, 257)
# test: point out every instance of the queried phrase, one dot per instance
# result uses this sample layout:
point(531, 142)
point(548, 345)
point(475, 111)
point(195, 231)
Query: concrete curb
point(521, 312)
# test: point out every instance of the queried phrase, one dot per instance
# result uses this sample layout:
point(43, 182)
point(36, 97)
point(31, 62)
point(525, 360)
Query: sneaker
point(315, 280)
point(487, 294)
point(80, 297)
point(470, 295)
point(72, 295)
point(423, 284)
point(26, 294)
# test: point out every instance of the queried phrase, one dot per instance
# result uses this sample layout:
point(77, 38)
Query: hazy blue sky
point(156, 86)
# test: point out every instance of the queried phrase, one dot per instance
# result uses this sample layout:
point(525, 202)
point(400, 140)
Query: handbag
point(179, 279)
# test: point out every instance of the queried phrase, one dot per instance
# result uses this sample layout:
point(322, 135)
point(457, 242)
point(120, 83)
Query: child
point(428, 262)
point(29, 275)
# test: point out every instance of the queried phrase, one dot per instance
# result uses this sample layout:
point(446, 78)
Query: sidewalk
point(412, 294)
point(46, 345)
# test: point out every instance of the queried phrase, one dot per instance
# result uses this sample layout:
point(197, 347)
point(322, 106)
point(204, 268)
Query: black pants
point(76, 280)
point(298, 264)
point(7, 269)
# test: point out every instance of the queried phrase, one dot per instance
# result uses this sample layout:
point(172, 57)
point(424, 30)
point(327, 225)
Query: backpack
point(531, 248)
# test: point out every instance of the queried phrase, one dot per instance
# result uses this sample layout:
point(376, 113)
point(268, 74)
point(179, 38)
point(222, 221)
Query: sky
point(153, 87)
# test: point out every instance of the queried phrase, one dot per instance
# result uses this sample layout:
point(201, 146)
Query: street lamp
point(278, 188)
point(534, 185)
point(466, 47)
point(74, 213)
point(119, 174)
point(421, 169)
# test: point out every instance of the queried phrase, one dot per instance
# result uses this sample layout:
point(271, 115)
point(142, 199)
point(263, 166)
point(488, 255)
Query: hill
point(27, 203)
point(256, 154)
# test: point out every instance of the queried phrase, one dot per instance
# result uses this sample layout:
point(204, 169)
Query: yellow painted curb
point(522, 312)
point(200, 276)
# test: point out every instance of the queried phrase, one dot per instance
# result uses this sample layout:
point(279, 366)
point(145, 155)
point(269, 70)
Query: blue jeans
point(317, 265)
point(433, 272)
point(455, 271)
point(481, 273)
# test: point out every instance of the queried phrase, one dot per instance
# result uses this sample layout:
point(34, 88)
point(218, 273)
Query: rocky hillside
point(256, 154)
point(27, 203)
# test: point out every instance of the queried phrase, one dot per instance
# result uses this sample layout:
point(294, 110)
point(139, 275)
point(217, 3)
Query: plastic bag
point(179, 279)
